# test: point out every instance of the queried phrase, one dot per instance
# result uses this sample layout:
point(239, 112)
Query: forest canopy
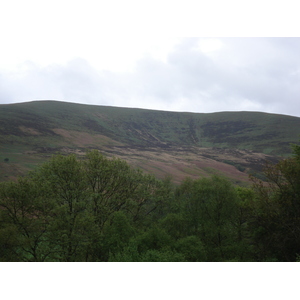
point(99, 209)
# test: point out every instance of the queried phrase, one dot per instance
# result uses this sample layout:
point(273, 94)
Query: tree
point(63, 183)
point(115, 186)
point(70, 209)
point(244, 245)
point(210, 207)
point(112, 183)
point(277, 210)
point(192, 248)
point(25, 221)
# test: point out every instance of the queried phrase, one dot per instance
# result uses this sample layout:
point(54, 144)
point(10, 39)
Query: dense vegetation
point(100, 209)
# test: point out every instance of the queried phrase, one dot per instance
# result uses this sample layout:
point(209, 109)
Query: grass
point(243, 130)
point(53, 125)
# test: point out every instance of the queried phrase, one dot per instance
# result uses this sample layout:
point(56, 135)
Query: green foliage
point(100, 209)
point(210, 207)
point(112, 185)
point(118, 233)
point(74, 209)
point(161, 256)
point(63, 181)
point(175, 224)
point(192, 248)
point(155, 238)
point(277, 209)
point(131, 254)
point(24, 220)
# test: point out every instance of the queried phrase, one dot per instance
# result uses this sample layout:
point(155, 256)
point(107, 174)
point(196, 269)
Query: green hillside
point(44, 127)
point(261, 132)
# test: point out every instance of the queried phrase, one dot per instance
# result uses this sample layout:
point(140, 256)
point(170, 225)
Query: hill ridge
point(138, 108)
point(29, 127)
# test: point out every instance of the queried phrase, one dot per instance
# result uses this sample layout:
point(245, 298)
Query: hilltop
point(160, 142)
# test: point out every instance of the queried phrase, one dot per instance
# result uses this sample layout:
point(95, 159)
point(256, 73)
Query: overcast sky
point(123, 54)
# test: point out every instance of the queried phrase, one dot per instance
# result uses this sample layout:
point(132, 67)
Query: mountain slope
point(157, 141)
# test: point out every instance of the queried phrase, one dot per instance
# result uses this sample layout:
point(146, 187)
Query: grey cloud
point(246, 74)
point(254, 69)
point(5, 93)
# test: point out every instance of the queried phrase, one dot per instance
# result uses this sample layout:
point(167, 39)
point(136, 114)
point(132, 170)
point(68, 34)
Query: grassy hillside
point(30, 132)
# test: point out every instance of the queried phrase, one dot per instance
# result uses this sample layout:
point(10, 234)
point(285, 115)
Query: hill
point(177, 143)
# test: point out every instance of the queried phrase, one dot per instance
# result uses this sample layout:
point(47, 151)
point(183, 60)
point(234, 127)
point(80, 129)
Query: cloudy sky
point(133, 54)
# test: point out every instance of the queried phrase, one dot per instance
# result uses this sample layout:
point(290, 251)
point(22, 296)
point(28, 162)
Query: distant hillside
point(30, 132)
